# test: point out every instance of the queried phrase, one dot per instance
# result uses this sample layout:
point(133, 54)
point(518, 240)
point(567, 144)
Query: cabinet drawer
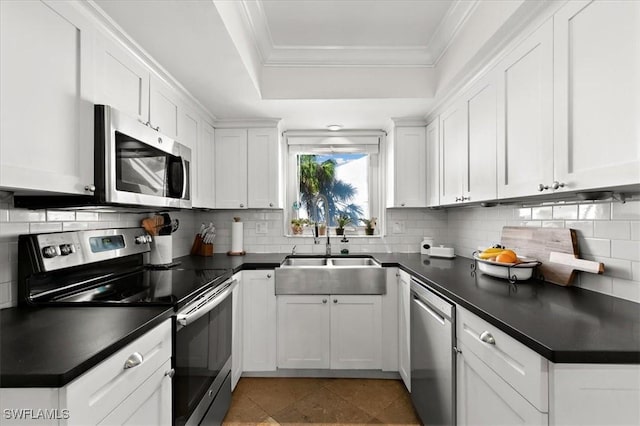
point(92, 396)
point(523, 369)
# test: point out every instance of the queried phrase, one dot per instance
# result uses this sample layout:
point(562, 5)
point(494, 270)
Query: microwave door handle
point(185, 178)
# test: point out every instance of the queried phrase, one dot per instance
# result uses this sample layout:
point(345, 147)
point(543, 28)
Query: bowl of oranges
point(502, 262)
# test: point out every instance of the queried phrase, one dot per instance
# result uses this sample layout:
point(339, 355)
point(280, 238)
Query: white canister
point(161, 250)
point(425, 245)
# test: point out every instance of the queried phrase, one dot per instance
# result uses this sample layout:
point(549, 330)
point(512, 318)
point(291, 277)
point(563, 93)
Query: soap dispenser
point(344, 245)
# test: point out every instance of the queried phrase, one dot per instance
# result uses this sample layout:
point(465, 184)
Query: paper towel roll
point(237, 234)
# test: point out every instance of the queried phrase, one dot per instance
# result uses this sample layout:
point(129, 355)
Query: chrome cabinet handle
point(458, 199)
point(542, 187)
point(465, 198)
point(134, 359)
point(91, 188)
point(170, 373)
point(324, 300)
point(487, 338)
point(557, 185)
point(457, 350)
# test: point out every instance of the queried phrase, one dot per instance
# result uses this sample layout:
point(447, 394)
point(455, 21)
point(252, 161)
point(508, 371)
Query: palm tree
point(319, 178)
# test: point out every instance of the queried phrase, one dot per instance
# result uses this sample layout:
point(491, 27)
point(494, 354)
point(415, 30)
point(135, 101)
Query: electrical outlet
point(261, 227)
point(398, 227)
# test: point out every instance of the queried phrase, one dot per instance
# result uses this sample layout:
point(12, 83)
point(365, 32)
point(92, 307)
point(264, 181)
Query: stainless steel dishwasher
point(432, 357)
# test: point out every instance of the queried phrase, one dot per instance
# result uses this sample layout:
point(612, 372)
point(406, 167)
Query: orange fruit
point(507, 256)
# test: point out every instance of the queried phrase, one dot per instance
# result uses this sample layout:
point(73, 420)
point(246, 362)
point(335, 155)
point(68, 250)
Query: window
point(343, 168)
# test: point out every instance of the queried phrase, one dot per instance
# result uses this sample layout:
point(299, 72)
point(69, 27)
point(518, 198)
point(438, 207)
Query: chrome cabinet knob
point(210, 393)
point(170, 373)
point(270, 204)
point(268, 275)
point(335, 300)
point(487, 338)
point(241, 204)
point(557, 185)
point(402, 204)
point(542, 187)
point(465, 198)
point(134, 360)
point(324, 300)
point(90, 188)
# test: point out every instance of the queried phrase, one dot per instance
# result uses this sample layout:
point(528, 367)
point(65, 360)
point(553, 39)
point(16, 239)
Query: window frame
point(375, 178)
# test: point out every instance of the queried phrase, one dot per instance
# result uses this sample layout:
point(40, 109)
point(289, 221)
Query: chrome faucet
point(316, 239)
point(293, 249)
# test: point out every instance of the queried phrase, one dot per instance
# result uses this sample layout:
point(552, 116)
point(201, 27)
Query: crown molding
point(240, 123)
point(335, 56)
point(408, 121)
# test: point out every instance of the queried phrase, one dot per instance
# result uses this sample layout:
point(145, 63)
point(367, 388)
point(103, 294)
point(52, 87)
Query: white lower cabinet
point(483, 398)
point(330, 331)
point(108, 394)
point(404, 328)
point(237, 325)
point(259, 320)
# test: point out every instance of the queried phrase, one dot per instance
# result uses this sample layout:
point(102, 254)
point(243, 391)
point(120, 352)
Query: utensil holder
point(200, 248)
point(161, 250)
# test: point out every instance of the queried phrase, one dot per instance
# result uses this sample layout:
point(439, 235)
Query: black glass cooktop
point(139, 287)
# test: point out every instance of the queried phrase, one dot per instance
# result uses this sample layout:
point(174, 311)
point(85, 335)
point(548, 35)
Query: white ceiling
point(310, 62)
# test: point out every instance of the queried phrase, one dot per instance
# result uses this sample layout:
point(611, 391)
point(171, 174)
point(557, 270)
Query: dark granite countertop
point(49, 347)
point(563, 324)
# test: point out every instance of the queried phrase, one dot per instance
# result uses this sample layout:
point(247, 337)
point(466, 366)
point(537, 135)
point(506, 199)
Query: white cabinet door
point(264, 168)
point(164, 108)
point(356, 332)
point(46, 107)
point(236, 334)
point(404, 329)
point(259, 318)
point(453, 159)
point(433, 164)
point(597, 94)
point(202, 170)
point(304, 332)
point(150, 404)
point(122, 81)
point(479, 178)
point(525, 116)
point(484, 399)
point(410, 156)
point(230, 159)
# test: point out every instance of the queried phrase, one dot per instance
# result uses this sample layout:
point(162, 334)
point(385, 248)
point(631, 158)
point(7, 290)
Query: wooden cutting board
point(539, 243)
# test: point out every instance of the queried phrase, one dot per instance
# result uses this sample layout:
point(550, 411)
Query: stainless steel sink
point(330, 275)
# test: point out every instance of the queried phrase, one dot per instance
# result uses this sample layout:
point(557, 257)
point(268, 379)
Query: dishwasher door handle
point(430, 311)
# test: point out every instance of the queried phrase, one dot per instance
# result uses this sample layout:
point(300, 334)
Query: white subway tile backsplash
point(78, 226)
point(41, 227)
point(522, 214)
point(599, 283)
point(622, 249)
point(614, 230)
point(553, 224)
point(594, 211)
point(6, 294)
point(540, 213)
point(22, 215)
point(4, 215)
point(626, 289)
point(565, 212)
point(584, 228)
point(635, 231)
point(88, 216)
point(60, 216)
point(12, 230)
point(595, 246)
point(618, 268)
point(629, 210)
point(635, 271)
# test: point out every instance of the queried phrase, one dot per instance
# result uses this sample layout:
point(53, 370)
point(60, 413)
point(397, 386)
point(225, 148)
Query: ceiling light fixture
point(334, 127)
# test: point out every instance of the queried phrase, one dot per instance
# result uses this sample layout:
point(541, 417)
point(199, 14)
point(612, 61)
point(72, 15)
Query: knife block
point(199, 248)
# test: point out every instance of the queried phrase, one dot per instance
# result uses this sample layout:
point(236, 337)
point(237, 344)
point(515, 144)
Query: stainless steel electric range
point(106, 268)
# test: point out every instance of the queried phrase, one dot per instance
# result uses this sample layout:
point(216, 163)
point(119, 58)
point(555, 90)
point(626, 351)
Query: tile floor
point(320, 401)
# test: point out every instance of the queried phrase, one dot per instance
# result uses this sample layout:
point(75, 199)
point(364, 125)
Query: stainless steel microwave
point(137, 165)
point(134, 166)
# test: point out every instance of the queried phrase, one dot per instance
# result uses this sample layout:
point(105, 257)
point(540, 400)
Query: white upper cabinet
point(164, 108)
point(597, 94)
point(525, 116)
point(46, 107)
point(264, 189)
point(230, 168)
point(122, 81)
point(408, 179)
point(202, 169)
point(433, 164)
point(468, 146)
point(453, 161)
point(247, 168)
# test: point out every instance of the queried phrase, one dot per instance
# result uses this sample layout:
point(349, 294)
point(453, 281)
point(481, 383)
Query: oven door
point(139, 165)
point(203, 357)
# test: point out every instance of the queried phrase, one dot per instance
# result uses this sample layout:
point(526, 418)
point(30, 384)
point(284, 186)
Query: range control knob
point(66, 249)
point(143, 239)
point(50, 251)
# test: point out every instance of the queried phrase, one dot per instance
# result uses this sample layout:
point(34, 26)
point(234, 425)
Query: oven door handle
point(186, 319)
